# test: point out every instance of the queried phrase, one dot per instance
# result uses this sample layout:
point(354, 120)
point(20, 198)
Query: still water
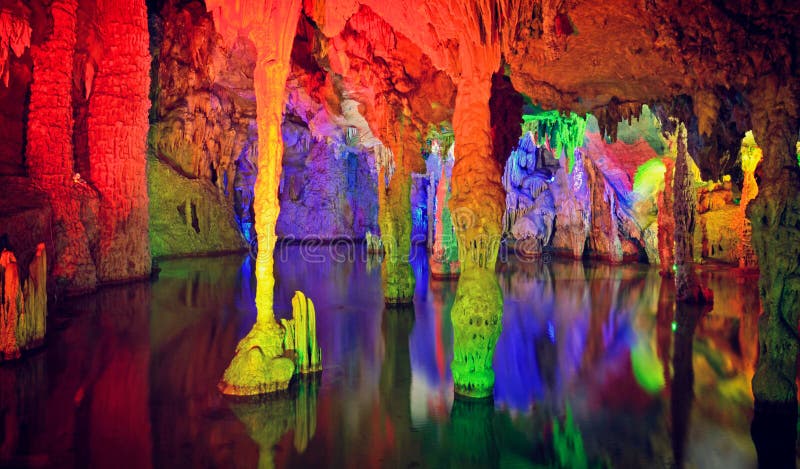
point(593, 369)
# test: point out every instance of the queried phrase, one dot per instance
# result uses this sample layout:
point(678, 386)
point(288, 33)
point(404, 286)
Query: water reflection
point(128, 375)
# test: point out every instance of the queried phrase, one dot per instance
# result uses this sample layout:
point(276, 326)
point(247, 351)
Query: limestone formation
point(666, 222)
point(23, 305)
point(687, 285)
point(301, 334)
point(257, 367)
point(117, 126)
point(775, 215)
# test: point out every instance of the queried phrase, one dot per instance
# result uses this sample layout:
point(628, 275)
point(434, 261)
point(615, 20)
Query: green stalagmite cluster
point(301, 334)
point(261, 364)
point(564, 132)
point(476, 316)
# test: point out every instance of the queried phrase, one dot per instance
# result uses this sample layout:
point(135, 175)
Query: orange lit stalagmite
point(258, 367)
point(49, 152)
point(117, 135)
point(775, 218)
point(751, 156)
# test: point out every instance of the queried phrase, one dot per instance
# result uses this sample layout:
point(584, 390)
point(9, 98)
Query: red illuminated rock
point(23, 309)
point(117, 135)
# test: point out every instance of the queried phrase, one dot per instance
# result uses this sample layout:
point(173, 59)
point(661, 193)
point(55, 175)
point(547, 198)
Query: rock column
point(257, 368)
point(49, 152)
point(775, 218)
point(117, 135)
point(394, 211)
point(477, 204)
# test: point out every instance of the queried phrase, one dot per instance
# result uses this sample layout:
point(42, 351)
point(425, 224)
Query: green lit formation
point(647, 369)
point(261, 364)
point(301, 334)
point(476, 315)
point(258, 366)
point(563, 132)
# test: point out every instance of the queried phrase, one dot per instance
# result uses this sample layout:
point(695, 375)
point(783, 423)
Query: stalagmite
point(687, 286)
point(444, 256)
point(751, 156)
point(666, 222)
point(477, 205)
point(257, 367)
point(23, 304)
point(301, 334)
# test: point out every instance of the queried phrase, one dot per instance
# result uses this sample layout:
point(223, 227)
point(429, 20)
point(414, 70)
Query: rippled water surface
point(593, 369)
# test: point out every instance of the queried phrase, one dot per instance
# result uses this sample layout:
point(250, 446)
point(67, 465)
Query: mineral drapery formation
point(23, 304)
point(204, 115)
point(117, 136)
point(257, 367)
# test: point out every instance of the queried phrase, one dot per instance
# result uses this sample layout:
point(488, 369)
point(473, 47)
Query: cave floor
point(128, 375)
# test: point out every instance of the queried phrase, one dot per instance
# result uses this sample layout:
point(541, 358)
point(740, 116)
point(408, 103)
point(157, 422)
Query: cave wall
point(203, 124)
point(328, 190)
point(73, 163)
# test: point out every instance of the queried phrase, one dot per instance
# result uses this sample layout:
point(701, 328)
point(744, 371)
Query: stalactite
point(23, 304)
point(117, 135)
point(477, 193)
point(477, 206)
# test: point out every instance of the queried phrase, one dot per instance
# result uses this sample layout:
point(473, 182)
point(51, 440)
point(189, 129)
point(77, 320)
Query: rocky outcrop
point(23, 304)
point(188, 216)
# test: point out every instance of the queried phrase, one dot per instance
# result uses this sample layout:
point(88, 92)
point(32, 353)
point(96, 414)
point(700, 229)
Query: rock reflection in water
point(129, 375)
